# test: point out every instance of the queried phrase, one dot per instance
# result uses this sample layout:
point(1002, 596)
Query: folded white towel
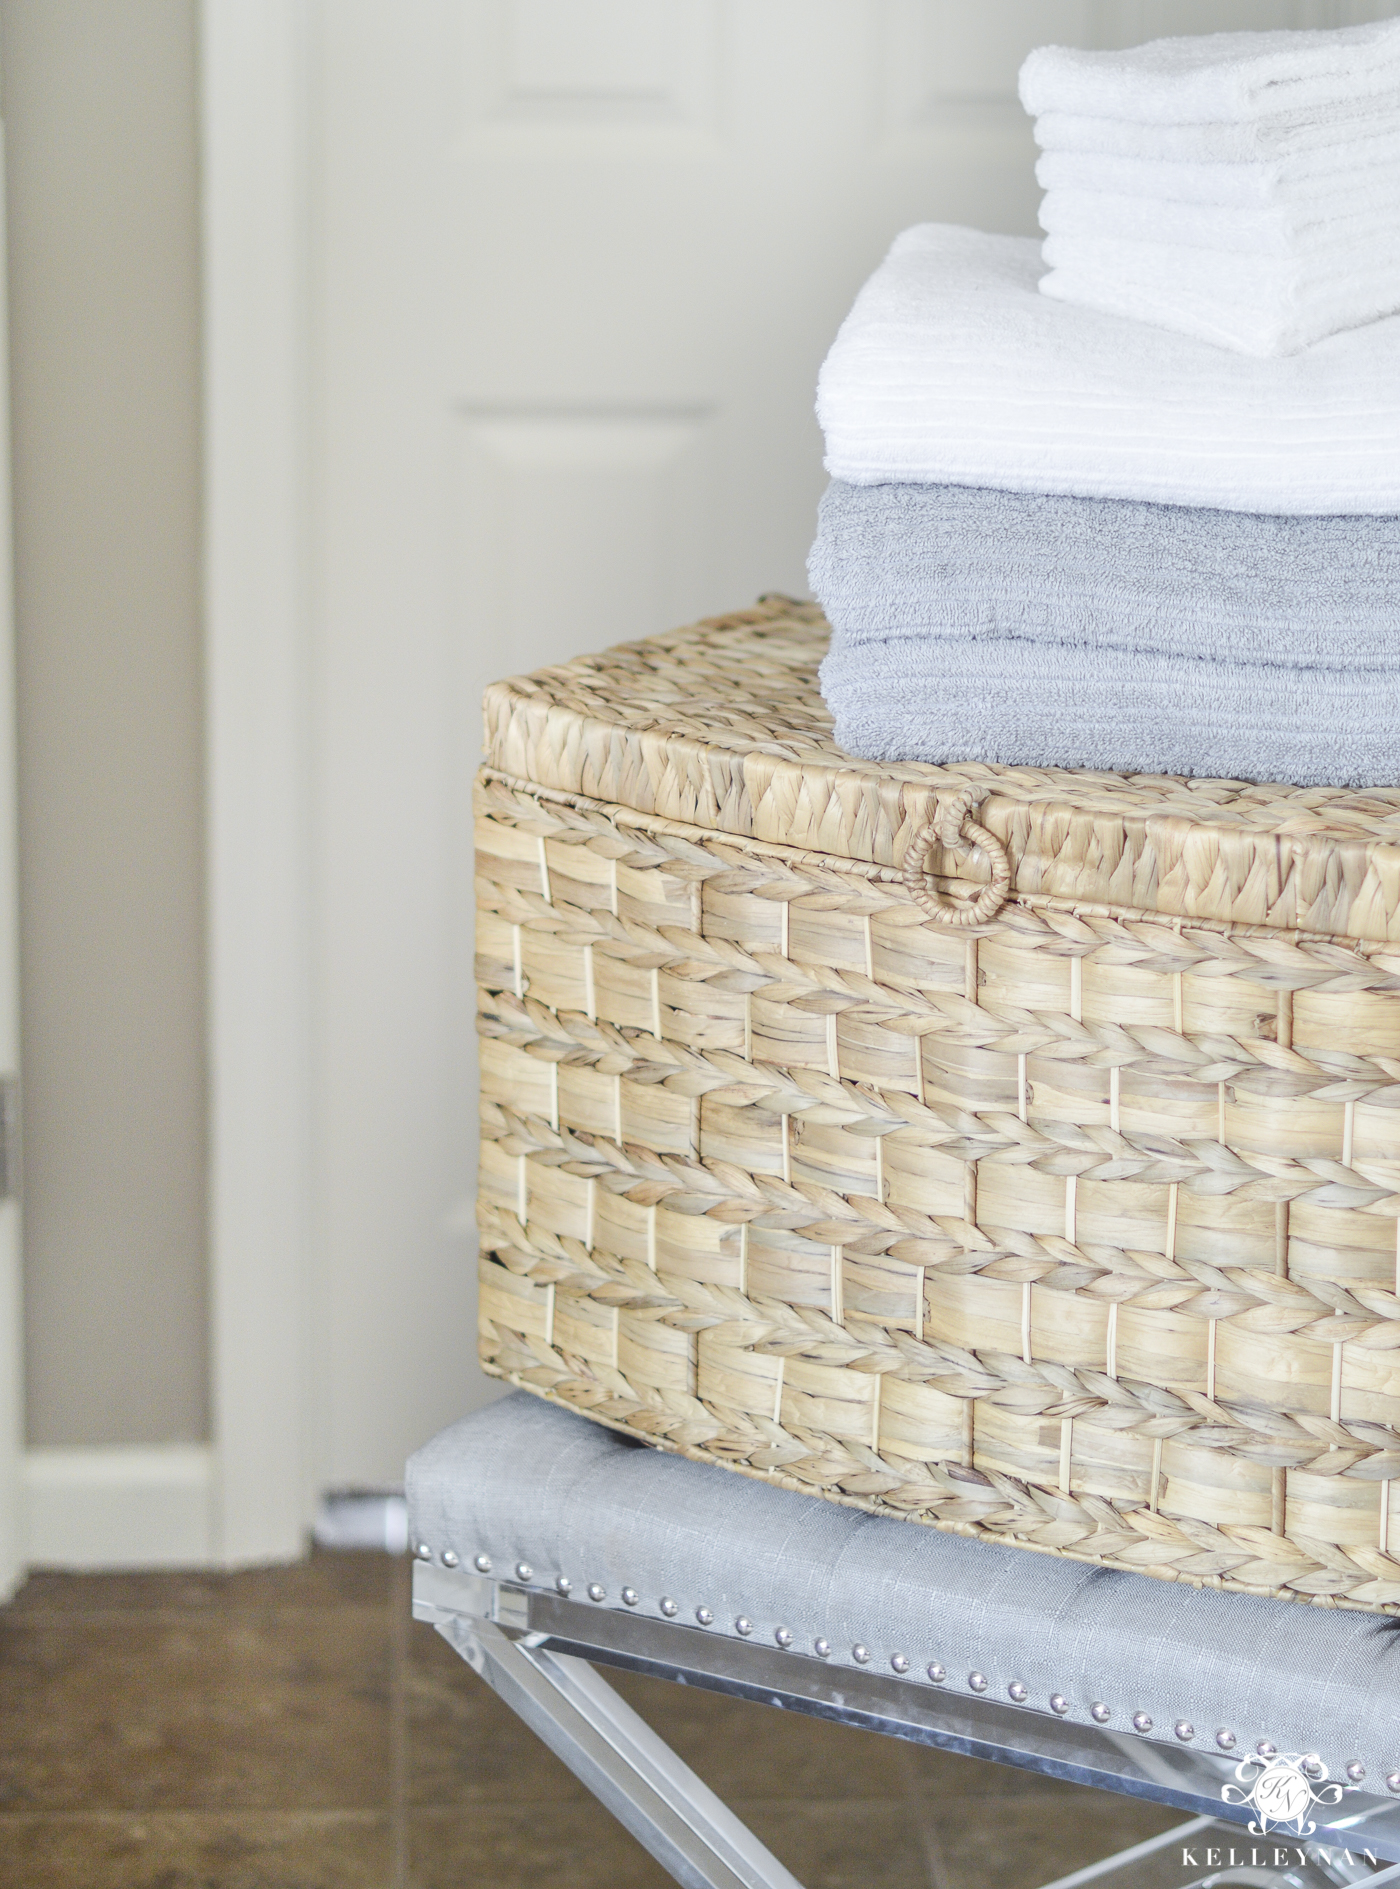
point(1282, 180)
point(1264, 255)
point(1363, 130)
point(1229, 76)
point(1284, 229)
point(952, 368)
point(1256, 304)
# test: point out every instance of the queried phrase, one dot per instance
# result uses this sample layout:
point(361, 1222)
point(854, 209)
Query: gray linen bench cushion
point(525, 1481)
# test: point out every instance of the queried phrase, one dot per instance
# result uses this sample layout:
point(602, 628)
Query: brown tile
point(464, 1745)
point(1018, 1843)
point(174, 1850)
point(326, 1578)
point(847, 1845)
point(795, 1781)
point(742, 1748)
point(527, 1846)
point(201, 1712)
point(843, 1844)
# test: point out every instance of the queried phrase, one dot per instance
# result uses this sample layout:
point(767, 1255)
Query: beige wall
point(100, 112)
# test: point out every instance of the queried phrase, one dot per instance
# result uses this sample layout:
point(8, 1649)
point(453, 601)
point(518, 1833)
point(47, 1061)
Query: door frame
point(12, 1408)
point(256, 112)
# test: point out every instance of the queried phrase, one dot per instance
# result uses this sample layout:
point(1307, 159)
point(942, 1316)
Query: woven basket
point(1011, 1150)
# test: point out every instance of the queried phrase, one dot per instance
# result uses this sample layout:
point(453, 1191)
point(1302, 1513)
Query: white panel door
point(578, 262)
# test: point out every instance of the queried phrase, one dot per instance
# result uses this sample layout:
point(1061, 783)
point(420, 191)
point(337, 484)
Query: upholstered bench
point(546, 1544)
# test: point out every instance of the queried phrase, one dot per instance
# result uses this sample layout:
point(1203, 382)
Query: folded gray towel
point(964, 561)
point(1027, 704)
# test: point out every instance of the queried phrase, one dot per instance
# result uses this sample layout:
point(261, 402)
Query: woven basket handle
point(954, 829)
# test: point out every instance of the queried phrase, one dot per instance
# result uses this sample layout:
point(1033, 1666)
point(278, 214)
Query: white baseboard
point(123, 1507)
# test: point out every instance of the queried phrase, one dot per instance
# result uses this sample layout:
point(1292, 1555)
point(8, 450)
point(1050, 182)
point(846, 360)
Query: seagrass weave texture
point(1013, 1151)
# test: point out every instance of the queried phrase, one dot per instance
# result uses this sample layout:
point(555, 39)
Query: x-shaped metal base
point(629, 1768)
point(622, 1761)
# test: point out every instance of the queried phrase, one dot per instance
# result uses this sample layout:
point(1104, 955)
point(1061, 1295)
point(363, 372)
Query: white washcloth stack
point(1240, 187)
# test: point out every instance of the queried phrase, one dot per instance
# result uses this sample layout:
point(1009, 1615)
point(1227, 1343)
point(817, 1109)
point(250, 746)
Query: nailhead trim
point(936, 1672)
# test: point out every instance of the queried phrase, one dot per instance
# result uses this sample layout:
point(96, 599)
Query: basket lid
point(721, 726)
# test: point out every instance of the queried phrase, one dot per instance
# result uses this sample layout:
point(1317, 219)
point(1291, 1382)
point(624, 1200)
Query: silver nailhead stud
point(1100, 1713)
point(1226, 1740)
point(482, 1564)
point(1059, 1704)
point(423, 1551)
point(978, 1681)
point(563, 1585)
point(860, 1654)
point(1356, 1770)
point(669, 1608)
point(705, 1616)
point(782, 1636)
point(822, 1648)
point(743, 1625)
point(937, 1671)
point(1017, 1691)
point(449, 1558)
point(900, 1663)
point(630, 1596)
point(1141, 1722)
point(1392, 1782)
point(1266, 1749)
point(523, 1571)
point(595, 1592)
point(1184, 1730)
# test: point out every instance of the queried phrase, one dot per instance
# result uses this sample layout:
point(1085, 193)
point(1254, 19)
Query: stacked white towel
point(1240, 187)
point(951, 369)
point(1061, 539)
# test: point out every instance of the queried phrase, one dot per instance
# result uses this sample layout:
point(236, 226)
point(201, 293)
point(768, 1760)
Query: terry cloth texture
point(1324, 232)
point(525, 1481)
point(1284, 181)
point(1024, 704)
point(1260, 305)
point(952, 369)
point(1235, 77)
point(1167, 231)
point(961, 562)
point(1346, 137)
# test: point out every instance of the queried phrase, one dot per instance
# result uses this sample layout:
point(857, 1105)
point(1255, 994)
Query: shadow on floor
point(292, 1728)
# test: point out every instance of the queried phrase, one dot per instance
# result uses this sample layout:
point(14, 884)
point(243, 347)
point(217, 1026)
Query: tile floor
point(294, 1729)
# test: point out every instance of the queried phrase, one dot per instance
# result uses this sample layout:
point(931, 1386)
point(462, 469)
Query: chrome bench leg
point(620, 1759)
point(653, 1794)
